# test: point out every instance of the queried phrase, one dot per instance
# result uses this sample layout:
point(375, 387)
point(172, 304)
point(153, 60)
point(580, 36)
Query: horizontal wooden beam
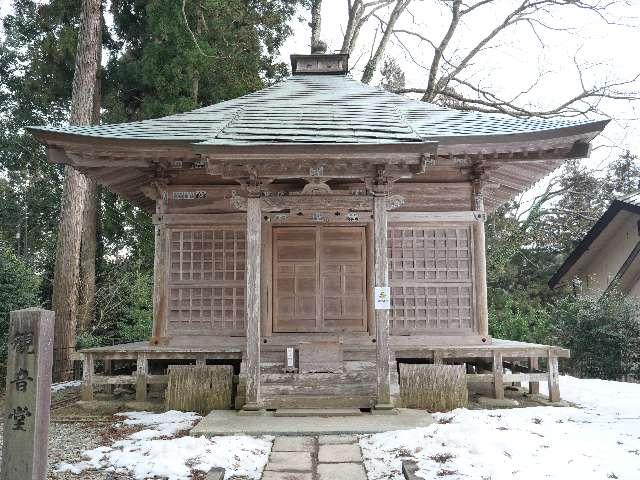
point(462, 216)
point(507, 377)
point(200, 218)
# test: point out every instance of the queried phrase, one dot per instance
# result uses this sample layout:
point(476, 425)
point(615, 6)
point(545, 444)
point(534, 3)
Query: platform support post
point(534, 387)
point(498, 375)
point(554, 380)
point(142, 369)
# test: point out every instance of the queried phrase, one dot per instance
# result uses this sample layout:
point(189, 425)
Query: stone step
point(317, 412)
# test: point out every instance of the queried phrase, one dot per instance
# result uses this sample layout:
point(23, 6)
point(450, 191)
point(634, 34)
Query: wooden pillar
point(252, 298)
point(381, 275)
point(480, 264)
point(142, 369)
point(554, 380)
point(498, 375)
point(159, 332)
point(88, 371)
point(534, 387)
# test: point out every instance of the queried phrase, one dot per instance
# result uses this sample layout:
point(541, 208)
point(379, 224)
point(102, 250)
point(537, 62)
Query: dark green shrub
point(603, 334)
point(519, 321)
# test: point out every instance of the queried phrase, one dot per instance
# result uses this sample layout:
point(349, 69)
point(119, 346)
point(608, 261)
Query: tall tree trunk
point(372, 64)
point(87, 281)
point(316, 20)
point(65, 278)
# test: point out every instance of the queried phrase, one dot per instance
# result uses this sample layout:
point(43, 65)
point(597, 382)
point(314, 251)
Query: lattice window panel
point(427, 254)
point(207, 255)
point(431, 308)
point(206, 308)
point(207, 280)
point(430, 275)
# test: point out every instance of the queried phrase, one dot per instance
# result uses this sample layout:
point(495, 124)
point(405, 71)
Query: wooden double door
point(319, 279)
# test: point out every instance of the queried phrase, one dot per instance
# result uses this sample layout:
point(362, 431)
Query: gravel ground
point(67, 440)
point(66, 443)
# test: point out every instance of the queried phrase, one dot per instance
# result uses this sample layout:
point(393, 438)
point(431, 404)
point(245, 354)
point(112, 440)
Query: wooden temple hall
point(285, 218)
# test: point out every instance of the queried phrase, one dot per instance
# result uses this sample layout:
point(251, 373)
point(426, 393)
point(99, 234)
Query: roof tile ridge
point(407, 123)
point(232, 118)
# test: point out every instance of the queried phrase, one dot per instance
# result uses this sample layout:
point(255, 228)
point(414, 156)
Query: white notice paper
point(382, 298)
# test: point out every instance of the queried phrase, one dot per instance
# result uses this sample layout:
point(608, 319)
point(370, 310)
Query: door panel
point(343, 278)
point(295, 280)
point(319, 279)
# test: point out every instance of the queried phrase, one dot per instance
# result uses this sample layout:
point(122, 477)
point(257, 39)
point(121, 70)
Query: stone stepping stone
point(340, 453)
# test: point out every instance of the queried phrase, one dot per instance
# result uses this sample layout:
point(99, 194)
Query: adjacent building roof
point(330, 109)
point(630, 204)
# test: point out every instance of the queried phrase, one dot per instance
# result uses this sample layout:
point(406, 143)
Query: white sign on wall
point(382, 297)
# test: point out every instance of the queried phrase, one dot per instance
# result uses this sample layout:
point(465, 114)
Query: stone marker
point(28, 395)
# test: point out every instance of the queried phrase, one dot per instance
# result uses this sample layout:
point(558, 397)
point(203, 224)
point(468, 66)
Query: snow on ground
point(156, 452)
point(56, 387)
point(599, 441)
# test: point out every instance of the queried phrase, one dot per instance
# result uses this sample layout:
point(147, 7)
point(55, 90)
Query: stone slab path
point(324, 457)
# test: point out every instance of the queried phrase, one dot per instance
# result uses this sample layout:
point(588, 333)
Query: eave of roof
point(600, 226)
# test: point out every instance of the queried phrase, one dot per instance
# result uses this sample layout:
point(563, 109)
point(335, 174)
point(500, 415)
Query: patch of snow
point(599, 441)
point(603, 396)
point(165, 424)
point(152, 453)
point(56, 387)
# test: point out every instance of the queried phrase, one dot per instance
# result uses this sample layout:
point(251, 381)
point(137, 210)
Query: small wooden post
point(498, 372)
point(108, 371)
point(159, 332)
point(142, 369)
point(88, 370)
point(534, 387)
point(252, 298)
point(480, 263)
point(437, 357)
point(28, 395)
point(381, 273)
point(554, 380)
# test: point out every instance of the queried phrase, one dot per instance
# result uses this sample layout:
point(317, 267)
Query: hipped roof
point(319, 109)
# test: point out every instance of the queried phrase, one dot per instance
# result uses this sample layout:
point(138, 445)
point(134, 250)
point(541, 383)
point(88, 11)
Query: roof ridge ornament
point(320, 64)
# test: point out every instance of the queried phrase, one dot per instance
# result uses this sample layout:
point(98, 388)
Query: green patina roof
point(320, 109)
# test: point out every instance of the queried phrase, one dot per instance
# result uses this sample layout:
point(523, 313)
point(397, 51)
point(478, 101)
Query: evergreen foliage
point(19, 288)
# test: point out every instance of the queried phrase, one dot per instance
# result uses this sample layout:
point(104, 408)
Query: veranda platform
point(486, 362)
